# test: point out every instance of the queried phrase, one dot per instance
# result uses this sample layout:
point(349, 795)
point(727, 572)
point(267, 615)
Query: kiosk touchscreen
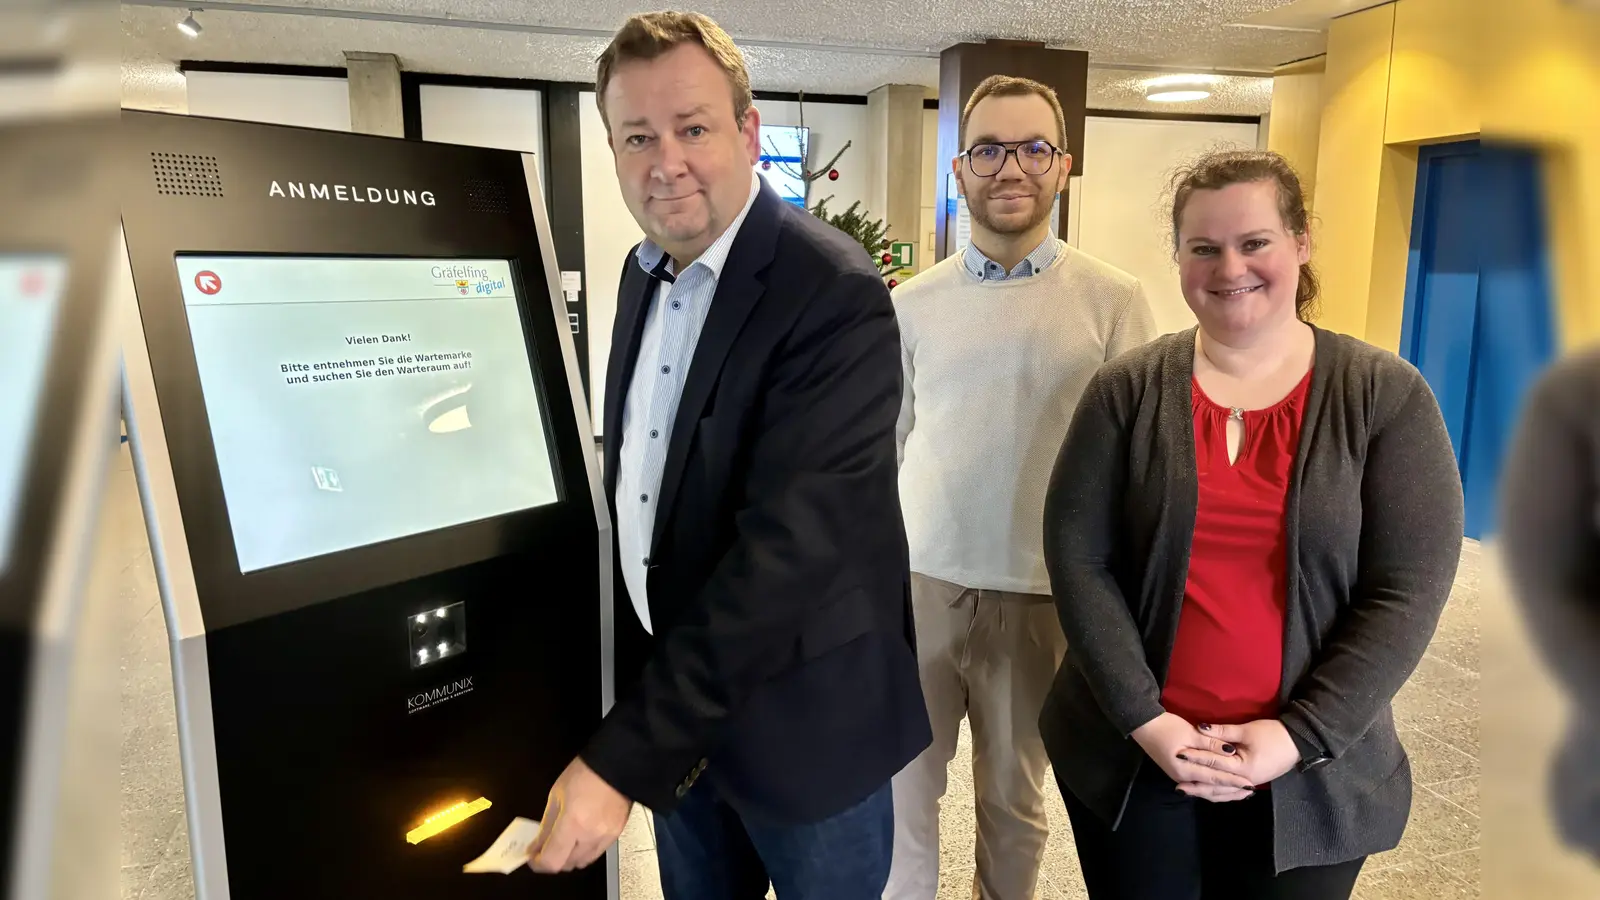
point(372, 496)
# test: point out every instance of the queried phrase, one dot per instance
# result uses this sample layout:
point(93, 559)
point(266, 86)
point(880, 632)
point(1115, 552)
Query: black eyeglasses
point(1033, 157)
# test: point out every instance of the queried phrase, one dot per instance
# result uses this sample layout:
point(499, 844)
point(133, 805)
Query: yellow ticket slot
point(446, 818)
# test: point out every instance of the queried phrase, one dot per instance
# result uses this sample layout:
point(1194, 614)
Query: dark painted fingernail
point(1205, 727)
point(1227, 748)
point(1182, 757)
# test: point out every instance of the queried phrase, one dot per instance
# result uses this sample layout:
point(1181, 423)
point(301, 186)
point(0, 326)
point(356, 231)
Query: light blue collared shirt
point(672, 327)
point(985, 269)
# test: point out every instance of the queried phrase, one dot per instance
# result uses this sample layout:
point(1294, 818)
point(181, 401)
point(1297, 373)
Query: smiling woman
point(1302, 543)
point(1252, 171)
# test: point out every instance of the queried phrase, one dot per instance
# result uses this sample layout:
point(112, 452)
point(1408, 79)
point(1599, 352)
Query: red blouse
point(1227, 664)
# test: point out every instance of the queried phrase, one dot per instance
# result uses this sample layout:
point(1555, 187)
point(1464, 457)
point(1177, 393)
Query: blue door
point(1478, 319)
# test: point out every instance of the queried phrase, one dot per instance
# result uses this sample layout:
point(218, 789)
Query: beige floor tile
point(1461, 650)
point(1464, 866)
point(956, 880)
point(134, 880)
point(1420, 880)
point(1447, 679)
point(1461, 734)
point(1463, 793)
point(1434, 762)
point(146, 834)
point(1424, 709)
point(1439, 827)
point(638, 878)
point(172, 880)
point(637, 834)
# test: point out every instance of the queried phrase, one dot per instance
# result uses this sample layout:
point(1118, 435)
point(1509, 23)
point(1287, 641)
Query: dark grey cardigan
point(1374, 539)
point(1550, 536)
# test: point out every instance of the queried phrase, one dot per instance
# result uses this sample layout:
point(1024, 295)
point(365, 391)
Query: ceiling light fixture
point(189, 26)
point(1178, 88)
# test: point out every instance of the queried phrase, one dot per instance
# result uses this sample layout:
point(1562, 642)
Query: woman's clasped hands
point(1220, 763)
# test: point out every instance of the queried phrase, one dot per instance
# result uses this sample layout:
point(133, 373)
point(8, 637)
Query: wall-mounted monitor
point(358, 400)
point(783, 154)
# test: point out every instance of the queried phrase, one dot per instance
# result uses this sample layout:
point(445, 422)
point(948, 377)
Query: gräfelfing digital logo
point(442, 694)
point(344, 193)
point(466, 279)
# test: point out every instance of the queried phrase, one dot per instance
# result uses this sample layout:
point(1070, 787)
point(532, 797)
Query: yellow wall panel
point(1350, 154)
point(1391, 246)
point(1295, 126)
point(1427, 71)
point(1432, 92)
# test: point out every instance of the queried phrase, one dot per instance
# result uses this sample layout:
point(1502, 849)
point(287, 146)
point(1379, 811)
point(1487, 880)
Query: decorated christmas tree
point(870, 233)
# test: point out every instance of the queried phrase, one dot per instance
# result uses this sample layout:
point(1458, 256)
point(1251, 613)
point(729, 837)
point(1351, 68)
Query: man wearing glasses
point(997, 343)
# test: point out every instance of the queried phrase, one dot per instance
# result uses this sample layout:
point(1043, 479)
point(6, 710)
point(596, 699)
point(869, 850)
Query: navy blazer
point(783, 664)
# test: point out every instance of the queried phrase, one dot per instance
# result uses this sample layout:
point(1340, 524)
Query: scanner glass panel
point(30, 291)
point(356, 400)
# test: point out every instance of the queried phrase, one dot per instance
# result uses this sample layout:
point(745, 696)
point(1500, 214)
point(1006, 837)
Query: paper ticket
point(509, 852)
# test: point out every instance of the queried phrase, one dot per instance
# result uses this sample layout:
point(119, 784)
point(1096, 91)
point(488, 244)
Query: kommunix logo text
point(442, 694)
point(347, 193)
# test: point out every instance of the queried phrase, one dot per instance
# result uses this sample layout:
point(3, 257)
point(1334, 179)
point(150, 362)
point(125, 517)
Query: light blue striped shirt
point(985, 269)
point(672, 328)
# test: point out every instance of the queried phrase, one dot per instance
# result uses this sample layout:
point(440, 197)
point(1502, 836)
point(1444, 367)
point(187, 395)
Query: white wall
point(609, 232)
point(1123, 197)
point(832, 125)
point(310, 102)
point(503, 118)
point(933, 168)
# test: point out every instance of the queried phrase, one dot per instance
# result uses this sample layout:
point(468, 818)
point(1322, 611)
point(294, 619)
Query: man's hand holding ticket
point(509, 851)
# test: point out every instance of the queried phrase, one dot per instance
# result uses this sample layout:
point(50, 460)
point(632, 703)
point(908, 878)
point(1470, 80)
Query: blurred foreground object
point(1536, 84)
point(1551, 551)
point(58, 431)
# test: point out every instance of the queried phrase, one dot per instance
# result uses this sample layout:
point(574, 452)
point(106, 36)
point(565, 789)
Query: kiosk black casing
point(310, 744)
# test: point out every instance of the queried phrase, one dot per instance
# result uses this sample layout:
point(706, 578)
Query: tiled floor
point(1439, 711)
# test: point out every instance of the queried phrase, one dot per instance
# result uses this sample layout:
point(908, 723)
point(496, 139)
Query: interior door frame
point(1419, 268)
point(1509, 228)
point(1418, 257)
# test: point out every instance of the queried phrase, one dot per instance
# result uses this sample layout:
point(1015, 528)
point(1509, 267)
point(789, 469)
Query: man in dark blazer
point(767, 680)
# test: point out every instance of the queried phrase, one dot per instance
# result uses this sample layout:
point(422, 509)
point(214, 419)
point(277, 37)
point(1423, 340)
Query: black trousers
point(1170, 846)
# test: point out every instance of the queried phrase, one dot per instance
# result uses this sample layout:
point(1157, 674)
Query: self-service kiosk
point(57, 435)
point(373, 502)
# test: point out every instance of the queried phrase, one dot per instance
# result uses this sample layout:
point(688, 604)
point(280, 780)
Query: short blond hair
point(647, 36)
point(1011, 86)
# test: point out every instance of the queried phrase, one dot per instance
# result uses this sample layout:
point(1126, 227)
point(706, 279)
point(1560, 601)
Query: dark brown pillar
point(962, 68)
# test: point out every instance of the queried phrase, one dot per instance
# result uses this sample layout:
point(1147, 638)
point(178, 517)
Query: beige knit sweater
point(993, 373)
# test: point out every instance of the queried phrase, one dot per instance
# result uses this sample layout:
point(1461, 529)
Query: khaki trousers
point(989, 656)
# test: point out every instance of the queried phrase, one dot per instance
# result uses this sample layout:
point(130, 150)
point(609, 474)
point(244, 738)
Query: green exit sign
point(903, 253)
